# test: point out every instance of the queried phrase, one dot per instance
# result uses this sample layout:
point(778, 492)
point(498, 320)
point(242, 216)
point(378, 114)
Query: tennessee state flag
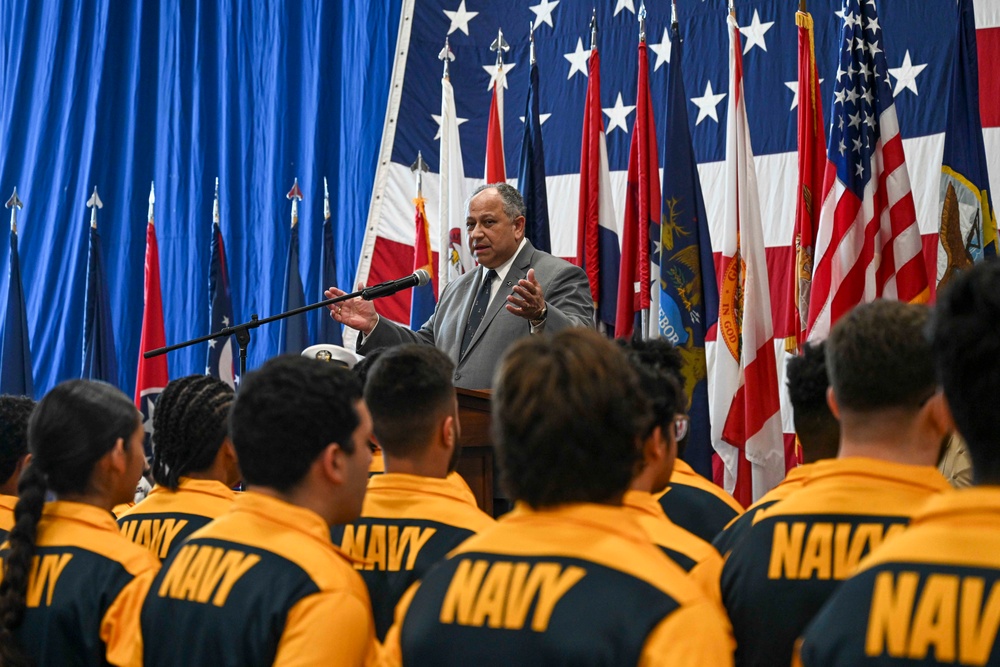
point(496, 166)
point(422, 298)
point(152, 374)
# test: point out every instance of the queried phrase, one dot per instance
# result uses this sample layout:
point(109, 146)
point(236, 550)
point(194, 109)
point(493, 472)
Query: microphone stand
point(242, 331)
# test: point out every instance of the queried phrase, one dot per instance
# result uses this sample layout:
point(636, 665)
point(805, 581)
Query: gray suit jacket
point(567, 297)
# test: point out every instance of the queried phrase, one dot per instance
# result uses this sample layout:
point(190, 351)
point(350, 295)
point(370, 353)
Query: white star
point(662, 50)
point(873, 49)
point(543, 12)
point(864, 71)
point(857, 145)
point(838, 97)
point(839, 13)
point(624, 4)
point(207, 370)
point(906, 75)
point(225, 321)
point(617, 115)
point(542, 117)
point(755, 33)
point(873, 25)
point(870, 121)
point(852, 96)
point(460, 18)
point(211, 344)
point(794, 86)
point(868, 96)
point(855, 119)
point(147, 425)
point(236, 380)
point(860, 169)
point(496, 72)
point(842, 147)
point(437, 119)
point(578, 59)
point(706, 104)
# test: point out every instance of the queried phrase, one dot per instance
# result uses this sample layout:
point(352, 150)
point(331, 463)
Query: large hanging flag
point(531, 165)
point(15, 350)
point(152, 375)
point(422, 300)
point(689, 293)
point(868, 244)
point(642, 214)
point(968, 224)
point(746, 419)
point(100, 360)
point(454, 257)
point(221, 361)
point(328, 330)
point(598, 250)
point(293, 332)
point(496, 165)
point(812, 164)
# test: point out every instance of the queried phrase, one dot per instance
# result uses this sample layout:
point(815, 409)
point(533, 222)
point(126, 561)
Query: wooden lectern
point(476, 462)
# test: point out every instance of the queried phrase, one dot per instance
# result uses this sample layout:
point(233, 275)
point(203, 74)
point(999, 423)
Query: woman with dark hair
point(194, 465)
point(71, 586)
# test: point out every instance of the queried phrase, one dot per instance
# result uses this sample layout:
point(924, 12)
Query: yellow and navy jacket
point(574, 585)
point(696, 504)
point(164, 518)
point(738, 527)
point(7, 504)
point(798, 551)
point(929, 596)
point(86, 587)
point(694, 555)
point(408, 524)
point(261, 584)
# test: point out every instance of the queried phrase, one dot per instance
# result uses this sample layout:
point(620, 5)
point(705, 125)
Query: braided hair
point(70, 430)
point(189, 425)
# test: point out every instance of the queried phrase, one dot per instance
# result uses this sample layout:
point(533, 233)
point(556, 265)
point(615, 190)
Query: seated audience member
point(263, 584)
point(816, 429)
point(930, 595)
point(567, 577)
point(194, 465)
point(413, 515)
point(694, 503)
point(892, 421)
point(72, 586)
point(652, 360)
point(14, 413)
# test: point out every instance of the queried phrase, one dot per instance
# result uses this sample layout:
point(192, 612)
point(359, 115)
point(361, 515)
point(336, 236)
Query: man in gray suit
point(516, 291)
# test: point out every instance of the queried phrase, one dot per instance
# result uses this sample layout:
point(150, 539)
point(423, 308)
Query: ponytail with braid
point(75, 425)
point(189, 426)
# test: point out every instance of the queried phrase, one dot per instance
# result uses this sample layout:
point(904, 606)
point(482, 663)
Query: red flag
point(152, 375)
point(746, 419)
point(868, 244)
point(496, 170)
point(642, 209)
point(812, 164)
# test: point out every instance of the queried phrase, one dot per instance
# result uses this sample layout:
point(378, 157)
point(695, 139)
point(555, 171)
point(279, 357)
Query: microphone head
point(422, 277)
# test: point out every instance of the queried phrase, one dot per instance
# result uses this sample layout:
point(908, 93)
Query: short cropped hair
point(878, 357)
point(818, 430)
point(657, 365)
point(568, 416)
point(513, 202)
point(289, 411)
point(409, 390)
point(14, 414)
point(965, 331)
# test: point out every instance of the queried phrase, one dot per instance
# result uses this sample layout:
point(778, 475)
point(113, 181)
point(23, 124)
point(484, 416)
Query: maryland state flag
point(422, 298)
point(152, 375)
point(968, 232)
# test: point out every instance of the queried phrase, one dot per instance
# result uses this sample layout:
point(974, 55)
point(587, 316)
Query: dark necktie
point(479, 307)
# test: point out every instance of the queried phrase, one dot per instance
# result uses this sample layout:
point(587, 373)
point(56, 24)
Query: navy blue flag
point(100, 360)
point(689, 296)
point(328, 330)
point(221, 361)
point(15, 351)
point(293, 334)
point(531, 171)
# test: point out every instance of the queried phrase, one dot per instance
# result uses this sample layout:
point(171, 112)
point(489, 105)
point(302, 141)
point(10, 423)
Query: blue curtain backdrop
point(118, 94)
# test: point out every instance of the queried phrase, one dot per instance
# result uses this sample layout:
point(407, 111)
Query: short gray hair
point(513, 203)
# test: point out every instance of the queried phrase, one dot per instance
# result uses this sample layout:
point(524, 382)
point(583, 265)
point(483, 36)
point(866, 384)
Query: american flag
point(917, 37)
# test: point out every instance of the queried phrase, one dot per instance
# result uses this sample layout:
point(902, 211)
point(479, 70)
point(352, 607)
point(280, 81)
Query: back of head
point(567, 418)
point(190, 423)
point(878, 358)
point(14, 414)
point(286, 413)
point(657, 364)
point(409, 391)
point(966, 340)
point(818, 430)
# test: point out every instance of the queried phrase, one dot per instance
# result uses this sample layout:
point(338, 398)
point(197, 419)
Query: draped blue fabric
point(119, 94)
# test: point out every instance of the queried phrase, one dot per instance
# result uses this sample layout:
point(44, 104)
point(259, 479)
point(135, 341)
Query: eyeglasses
point(681, 424)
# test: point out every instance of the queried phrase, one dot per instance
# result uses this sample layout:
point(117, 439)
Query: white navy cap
point(334, 353)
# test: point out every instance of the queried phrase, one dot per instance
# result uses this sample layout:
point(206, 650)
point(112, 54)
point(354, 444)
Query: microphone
point(418, 278)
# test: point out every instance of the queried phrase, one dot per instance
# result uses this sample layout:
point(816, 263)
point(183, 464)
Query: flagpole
point(644, 313)
point(14, 203)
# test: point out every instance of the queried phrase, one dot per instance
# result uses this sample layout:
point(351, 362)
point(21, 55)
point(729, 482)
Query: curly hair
point(14, 414)
point(808, 381)
point(190, 423)
point(568, 415)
